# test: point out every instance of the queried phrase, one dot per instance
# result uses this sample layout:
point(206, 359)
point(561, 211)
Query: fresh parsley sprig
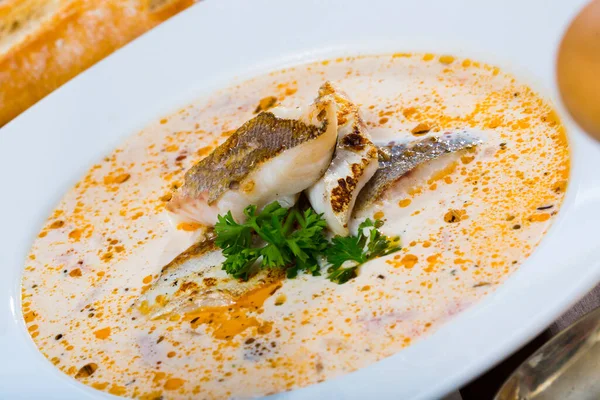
point(277, 237)
point(347, 253)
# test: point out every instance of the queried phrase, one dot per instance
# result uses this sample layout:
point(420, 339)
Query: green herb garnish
point(278, 237)
point(357, 250)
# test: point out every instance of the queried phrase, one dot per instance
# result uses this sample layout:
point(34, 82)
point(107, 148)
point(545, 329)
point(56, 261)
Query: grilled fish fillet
point(274, 156)
point(354, 163)
point(195, 280)
point(396, 160)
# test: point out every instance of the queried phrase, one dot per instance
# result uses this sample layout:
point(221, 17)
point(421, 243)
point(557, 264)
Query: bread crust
point(75, 36)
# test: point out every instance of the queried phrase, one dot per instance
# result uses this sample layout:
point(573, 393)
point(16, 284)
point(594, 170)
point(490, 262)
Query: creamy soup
point(466, 221)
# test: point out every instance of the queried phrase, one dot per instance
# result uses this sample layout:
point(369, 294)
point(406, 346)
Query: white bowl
point(45, 150)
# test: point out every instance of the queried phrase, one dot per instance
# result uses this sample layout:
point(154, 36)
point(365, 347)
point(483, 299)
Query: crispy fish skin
point(274, 156)
point(194, 280)
point(256, 141)
point(396, 160)
point(354, 163)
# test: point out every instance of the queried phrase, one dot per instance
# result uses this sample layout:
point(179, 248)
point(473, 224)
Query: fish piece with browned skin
point(272, 157)
point(396, 160)
point(354, 163)
point(194, 280)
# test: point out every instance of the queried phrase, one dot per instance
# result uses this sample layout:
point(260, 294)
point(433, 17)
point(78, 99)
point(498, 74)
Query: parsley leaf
point(231, 236)
point(240, 264)
point(309, 239)
point(378, 245)
point(356, 250)
point(277, 237)
point(342, 275)
point(344, 249)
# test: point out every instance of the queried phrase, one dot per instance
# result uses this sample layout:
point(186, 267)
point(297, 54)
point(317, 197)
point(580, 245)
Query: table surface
point(486, 386)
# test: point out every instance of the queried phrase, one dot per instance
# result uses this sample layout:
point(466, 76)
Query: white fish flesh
point(194, 280)
point(354, 163)
point(274, 156)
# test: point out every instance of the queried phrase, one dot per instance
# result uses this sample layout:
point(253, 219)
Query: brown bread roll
point(44, 43)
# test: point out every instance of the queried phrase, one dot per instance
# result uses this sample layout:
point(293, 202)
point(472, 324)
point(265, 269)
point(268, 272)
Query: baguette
point(44, 43)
